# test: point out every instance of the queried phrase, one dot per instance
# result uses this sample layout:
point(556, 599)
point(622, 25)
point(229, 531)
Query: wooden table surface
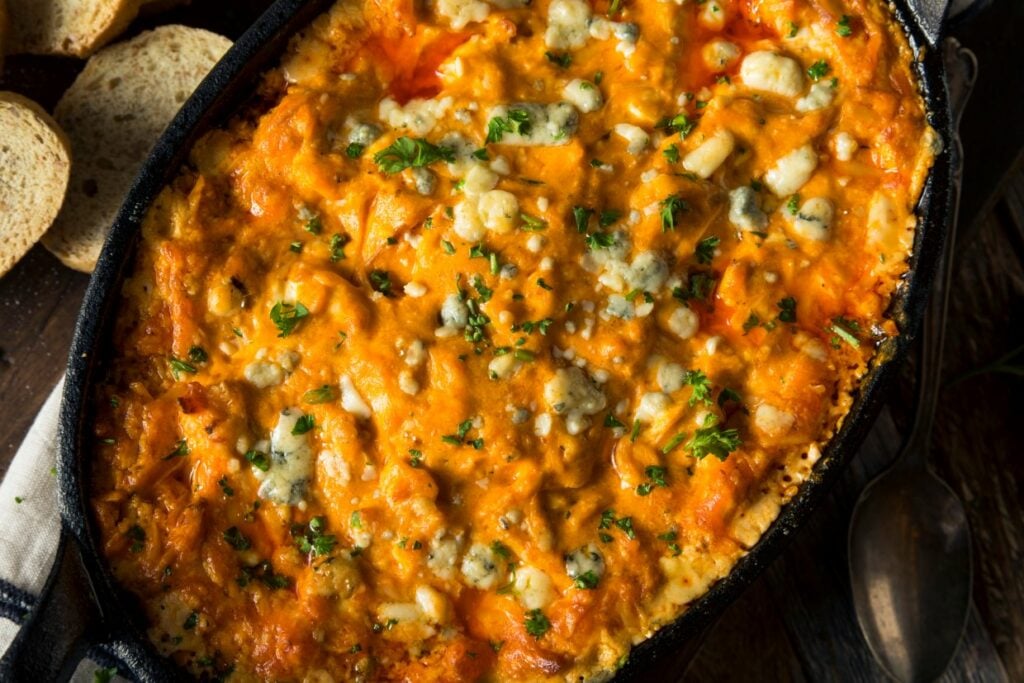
point(796, 621)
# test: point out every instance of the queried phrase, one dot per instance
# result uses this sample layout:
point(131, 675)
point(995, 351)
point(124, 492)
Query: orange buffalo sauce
point(488, 336)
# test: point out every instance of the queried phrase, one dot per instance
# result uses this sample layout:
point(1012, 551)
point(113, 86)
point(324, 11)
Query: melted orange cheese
point(504, 412)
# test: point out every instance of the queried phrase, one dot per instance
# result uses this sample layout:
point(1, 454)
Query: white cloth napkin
point(30, 526)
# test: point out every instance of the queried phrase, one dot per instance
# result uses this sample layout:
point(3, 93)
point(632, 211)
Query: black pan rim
point(211, 104)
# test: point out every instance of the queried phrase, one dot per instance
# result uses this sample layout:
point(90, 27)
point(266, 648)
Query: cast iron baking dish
point(82, 605)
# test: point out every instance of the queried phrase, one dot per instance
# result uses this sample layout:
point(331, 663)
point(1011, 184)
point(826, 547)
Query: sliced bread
point(113, 113)
point(35, 163)
point(67, 27)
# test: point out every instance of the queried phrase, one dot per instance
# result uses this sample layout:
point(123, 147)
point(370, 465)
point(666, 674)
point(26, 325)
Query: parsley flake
point(671, 206)
point(705, 250)
point(286, 316)
point(787, 310)
point(408, 152)
point(516, 122)
point(818, 70)
point(303, 424)
point(536, 623)
point(711, 440)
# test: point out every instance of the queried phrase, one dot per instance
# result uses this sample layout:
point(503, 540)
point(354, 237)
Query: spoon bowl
point(910, 549)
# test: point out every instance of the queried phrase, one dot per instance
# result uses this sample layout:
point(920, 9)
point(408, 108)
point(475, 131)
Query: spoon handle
point(962, 70)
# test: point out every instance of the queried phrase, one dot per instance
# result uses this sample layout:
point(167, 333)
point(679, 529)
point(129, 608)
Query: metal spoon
point(909, 543)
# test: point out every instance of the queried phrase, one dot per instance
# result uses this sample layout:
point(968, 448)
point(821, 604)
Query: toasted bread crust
point(35, 164)
point(114, 112)
point(68, 27)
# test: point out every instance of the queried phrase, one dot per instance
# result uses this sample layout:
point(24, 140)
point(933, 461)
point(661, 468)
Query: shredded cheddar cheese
point(489, 335)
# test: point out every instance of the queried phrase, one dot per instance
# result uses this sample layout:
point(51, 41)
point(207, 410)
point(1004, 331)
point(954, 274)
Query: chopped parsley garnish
point(698, 286)
point(482, 155)
point(286, 316)
point(408, 152)
point(354, 150)
point(701, 387)
point(225, 486)
point(483, 290)
point(711, 440)
point(138, 538)
point(179, 366)
point(380, 281)
point(598, 77)
point(587, 581)
point(727, 395)
point(671, 153)
point(516, 122)
point(415, 457)
point(793, 28)
point(599, 240)
point(303, 425)
point(314, 226)
point(449, 248)
point(787, 310)
point(476, 323)
point(705, 250)
point(313, 540)
point(544, 285)
point(793, 205)
point(530, 326)
point(258, 459)
point(843, 28)
point(336, 247)
point(563, 60)
point(264, 573)
point(180, 450)
point(671, 206)
point(818, 70)
point(671, 537)
point(459, 437)
point(656, 475)
point(614, 7)
point(626, 524)
point(673, 443)
point(324, 394)
point(191, 621)
point(608, 216)
point(236, 539)
point(634, 433)
point(581, 215)
point(845, 329)
point(680, 123)
point(296, 247)
point(612, 422)
point(532, 223)
point(536, 623)
point(197, 354)
point(752, 321)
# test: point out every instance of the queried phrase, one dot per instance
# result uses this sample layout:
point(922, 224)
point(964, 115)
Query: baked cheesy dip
point(489, 335)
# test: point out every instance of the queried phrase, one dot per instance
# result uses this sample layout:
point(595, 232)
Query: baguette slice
point(35, 163)
point(67, 27)
point(113, 113)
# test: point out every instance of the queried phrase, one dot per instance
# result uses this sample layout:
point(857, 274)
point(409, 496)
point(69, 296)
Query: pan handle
point(65, 622)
